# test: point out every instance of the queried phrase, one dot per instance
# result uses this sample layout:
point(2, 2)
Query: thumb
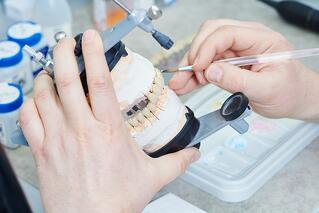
point(232, 78)
point(171, 166)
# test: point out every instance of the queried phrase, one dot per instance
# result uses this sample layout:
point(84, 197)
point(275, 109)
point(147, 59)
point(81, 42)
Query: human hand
point(86, 159)
point(282, 89)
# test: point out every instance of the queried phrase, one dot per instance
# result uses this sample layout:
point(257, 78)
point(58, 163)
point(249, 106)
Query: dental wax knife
point(256, 59)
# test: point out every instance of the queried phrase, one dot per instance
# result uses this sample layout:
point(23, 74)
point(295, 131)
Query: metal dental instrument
point(256, 59)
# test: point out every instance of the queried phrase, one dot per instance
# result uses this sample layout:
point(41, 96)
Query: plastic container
point(54, 16)
point(11, 99)
point(29, 33)
point(233, 166)
point(14, 68)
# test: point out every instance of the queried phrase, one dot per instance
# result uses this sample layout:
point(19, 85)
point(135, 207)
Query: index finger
point(68, 82)
point(210, 26)
point(241, 40)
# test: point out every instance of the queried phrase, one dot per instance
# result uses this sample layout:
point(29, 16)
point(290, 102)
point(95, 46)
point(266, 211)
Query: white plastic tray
point(232, 166)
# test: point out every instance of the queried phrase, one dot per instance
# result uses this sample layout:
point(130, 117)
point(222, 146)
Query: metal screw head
point(59, 35)
point(154, 12)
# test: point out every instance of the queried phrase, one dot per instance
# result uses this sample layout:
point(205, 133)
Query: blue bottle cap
point(11, 97)
point(25, 33)
point(10, 53)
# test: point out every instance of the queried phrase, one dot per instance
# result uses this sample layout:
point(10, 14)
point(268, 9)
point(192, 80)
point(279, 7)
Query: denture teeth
point(152, 97)
point(140, 117)
point(147, 123)
point(133, 122)
point(129, 126)
point(152, 107)
point(147, 113)
point(157, 90)
point(159, 80)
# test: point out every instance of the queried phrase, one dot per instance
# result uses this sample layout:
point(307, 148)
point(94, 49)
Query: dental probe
point(256, 59)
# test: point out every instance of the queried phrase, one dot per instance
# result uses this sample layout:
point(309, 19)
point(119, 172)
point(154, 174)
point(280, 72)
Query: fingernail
point(214, 74)
point(200, 77)
point(196, 156)
point(88, 36)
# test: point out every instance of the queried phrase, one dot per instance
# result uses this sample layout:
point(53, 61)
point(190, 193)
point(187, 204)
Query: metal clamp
point(233, 112)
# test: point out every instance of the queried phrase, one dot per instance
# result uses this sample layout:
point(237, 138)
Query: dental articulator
point(156, 118)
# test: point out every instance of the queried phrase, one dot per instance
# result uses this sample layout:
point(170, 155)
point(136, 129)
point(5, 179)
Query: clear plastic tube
point(272, 57)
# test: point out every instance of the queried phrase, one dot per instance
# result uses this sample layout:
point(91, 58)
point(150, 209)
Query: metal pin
point(39, 58)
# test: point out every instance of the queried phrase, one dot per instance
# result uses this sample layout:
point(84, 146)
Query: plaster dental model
point(153, 113)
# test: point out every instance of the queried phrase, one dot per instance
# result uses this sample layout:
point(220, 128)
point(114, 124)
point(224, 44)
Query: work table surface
point(295, 189)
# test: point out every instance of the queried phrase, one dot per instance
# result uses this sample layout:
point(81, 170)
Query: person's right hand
point(281, 89)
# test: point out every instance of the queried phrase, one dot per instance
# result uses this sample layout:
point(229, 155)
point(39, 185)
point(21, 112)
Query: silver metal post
point(123, 6)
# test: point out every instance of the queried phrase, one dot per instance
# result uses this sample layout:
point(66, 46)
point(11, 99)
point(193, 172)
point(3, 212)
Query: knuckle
point(99, 83)
point(42, 95)
point(112, 131)
point(82, 134)
point(66, 81)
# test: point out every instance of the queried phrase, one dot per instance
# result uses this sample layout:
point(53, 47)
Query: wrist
point(308, 103)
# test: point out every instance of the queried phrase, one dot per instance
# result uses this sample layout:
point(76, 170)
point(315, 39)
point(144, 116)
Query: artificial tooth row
point(145, 116)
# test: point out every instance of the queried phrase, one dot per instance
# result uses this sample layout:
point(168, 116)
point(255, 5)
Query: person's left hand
point(85, 156)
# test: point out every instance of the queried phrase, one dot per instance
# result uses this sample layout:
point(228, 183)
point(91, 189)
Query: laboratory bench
point(295, 189)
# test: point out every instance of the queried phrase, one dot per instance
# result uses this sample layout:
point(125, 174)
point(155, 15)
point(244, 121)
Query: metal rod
point(123, 6)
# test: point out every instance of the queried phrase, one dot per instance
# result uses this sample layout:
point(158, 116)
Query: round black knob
point(234, 106)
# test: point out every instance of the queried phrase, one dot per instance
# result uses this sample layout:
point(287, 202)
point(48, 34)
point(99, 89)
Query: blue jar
point(14, 67)
point(11, 99)
point(29, 33)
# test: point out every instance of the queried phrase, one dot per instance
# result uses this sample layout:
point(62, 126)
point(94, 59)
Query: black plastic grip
point(78, 45)
point(163, 40)
point(296, 13)
point(300, 14)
